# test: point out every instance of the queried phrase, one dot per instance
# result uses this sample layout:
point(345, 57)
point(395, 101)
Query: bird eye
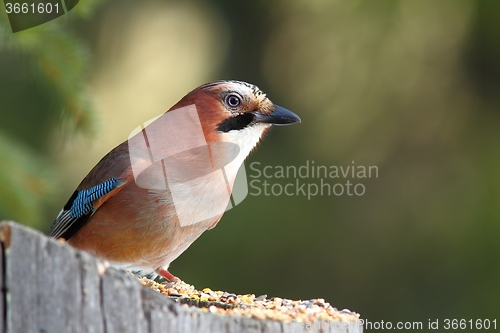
point(233, 100)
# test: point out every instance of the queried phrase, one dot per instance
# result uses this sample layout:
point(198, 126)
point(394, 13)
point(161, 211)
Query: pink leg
point(167, 275)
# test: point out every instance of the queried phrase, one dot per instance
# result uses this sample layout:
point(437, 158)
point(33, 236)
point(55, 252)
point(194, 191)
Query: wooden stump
point(47, 286)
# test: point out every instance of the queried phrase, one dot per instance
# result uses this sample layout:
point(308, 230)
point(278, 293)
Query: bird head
point(235, 112)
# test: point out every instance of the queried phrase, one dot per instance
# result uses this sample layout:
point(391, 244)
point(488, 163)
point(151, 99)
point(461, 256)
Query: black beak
point(279, 117)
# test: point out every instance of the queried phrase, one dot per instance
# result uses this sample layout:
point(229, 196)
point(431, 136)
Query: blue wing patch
point(83, 203)
point(79, 209)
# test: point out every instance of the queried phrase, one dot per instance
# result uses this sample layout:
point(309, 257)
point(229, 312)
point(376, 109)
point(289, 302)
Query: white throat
point(246, 139)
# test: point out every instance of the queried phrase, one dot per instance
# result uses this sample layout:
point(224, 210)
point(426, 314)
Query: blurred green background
point(411, 87)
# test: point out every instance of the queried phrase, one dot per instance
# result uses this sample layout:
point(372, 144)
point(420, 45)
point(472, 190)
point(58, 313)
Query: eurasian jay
point(153, 195)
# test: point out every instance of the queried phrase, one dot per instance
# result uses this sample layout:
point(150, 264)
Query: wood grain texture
point(47, 286)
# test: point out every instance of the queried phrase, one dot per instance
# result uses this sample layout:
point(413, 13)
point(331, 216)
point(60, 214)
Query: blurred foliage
point(24, 182)
point(42, 79)
point(409, 86)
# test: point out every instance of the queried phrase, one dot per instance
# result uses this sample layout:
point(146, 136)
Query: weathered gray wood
point(91, 312)
point(161, 316)
point(58, 288)
point(122, 303)
point(48, 286)
point(270, 326)
point(21, 291)
point(245, 324)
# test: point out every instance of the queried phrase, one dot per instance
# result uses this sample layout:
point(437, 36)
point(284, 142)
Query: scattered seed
point(248, 305)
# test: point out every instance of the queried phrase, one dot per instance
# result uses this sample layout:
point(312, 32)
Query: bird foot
point(169, 276)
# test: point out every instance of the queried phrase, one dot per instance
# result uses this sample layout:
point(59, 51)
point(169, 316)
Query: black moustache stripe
point(236, 123)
